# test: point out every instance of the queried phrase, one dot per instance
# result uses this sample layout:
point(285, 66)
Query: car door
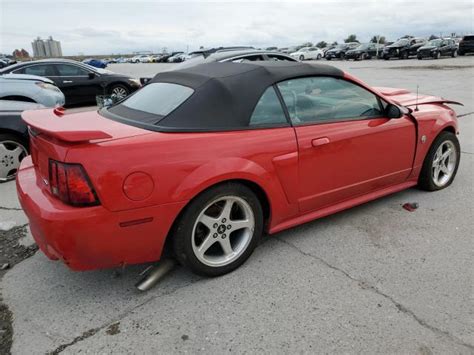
point(347, 146)
point(78, 84)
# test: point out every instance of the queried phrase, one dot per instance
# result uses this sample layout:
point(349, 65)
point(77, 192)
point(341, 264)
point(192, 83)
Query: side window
point(40, 70)
point(268, 110)
point(249, 58)
point(327, 99)
point(277, 57)
point(71, 70)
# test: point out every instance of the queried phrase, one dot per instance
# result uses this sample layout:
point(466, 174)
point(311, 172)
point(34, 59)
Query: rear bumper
point(92, 237)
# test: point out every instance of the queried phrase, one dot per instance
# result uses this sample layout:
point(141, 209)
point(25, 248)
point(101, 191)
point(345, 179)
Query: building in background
point(46, 48)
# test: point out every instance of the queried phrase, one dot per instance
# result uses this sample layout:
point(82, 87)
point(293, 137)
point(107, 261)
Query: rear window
point(153, 102)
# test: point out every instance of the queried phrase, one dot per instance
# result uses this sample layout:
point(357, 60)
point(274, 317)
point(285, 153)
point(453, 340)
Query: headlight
point(135, 82)
point(47, 86)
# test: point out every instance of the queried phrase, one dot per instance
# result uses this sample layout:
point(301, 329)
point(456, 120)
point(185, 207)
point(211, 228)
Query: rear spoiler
point(429, 102)
point(51, 123)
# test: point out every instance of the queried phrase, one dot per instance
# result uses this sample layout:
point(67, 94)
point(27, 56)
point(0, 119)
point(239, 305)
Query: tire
point(364, 56)
point(319, 57)
point(301, 58)
point(205, 224)
point(430, 178)
point(437, 55)
point(327, 58)
point(342, 56)
point(420, 57)
point(454, 54)
point(461, 53)
point(404, 55)
point(10, 157)
point(120, 90)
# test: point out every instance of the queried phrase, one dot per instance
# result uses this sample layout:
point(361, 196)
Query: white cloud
point(126, 26)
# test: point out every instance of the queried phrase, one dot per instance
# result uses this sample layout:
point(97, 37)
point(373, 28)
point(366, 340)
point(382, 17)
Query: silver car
point(21, 87)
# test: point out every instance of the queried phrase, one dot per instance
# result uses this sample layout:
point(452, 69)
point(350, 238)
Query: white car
point(141, 59)
point(307, 53)
point(32, 88)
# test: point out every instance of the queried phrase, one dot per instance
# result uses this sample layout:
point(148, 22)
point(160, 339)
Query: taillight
point(70, 183)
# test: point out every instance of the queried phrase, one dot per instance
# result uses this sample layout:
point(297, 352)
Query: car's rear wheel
point(119, 90)
point(219, 230)
point(441, 163)
point(12, 152)
point(454, 54)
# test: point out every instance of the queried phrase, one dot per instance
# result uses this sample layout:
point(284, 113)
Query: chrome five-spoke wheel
point(444, 163)
point(11, 154)
point(219, 229)
point(223, 231)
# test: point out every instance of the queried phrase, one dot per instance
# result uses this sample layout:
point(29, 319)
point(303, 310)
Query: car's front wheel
point(12, 152)
point(441, 163)
point(218, 230)
point(301, 58)
point(119, 90)
point(454, 54)
point(437, 55)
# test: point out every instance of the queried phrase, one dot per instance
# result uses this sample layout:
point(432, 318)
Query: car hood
point(407, 98)
point(26, 77)
point(428, 47)
point(392, 46)
point(18, 106)
point(78, 127)
point(334, 50)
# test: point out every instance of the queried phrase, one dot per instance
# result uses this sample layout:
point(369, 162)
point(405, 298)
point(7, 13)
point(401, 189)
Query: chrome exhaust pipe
point(153, 274)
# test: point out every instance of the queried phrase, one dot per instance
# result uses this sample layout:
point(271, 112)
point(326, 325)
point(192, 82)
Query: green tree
point(432, 37)
point(351, 38)
point(380, 38)
point(321, 44)
point(334, 43)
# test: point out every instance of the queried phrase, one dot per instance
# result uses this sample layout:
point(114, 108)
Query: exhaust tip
point(154, 274)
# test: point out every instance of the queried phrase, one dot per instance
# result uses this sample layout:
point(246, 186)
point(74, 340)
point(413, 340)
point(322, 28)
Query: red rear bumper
point(92, 237)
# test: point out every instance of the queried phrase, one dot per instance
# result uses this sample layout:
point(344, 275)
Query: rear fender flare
point(213, 173)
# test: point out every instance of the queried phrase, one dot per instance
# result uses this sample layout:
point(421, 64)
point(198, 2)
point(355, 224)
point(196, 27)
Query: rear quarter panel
point(184, 164)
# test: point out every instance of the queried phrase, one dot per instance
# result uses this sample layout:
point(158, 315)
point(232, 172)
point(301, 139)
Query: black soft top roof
point(225, 94)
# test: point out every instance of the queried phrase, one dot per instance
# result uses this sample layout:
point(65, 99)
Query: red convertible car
point(204, 160)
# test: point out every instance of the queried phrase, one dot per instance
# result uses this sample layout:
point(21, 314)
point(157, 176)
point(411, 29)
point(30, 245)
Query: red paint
point(306, 172)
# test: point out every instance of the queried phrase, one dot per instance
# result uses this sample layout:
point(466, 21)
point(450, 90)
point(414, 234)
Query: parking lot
point(373, 279)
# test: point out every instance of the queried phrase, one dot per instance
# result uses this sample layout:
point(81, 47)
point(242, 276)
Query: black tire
point(182, 233)
point(328, 58)
point(342, 56)
point(319, 57)
point(454, 54)
point(115, 88)
point(8, 137)
point(420, 57)
point(301, 58)
point(425, 180)
point(436, 55)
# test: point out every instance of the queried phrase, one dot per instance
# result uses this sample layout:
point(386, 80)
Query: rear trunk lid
point(53, 132)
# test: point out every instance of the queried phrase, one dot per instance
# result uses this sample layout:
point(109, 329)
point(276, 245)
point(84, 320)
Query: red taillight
point(70, 183)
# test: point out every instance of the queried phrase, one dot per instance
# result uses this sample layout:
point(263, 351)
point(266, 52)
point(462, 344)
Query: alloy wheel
point(444, 163)
point(11, 154)
point(223, 231)
point(120, 92)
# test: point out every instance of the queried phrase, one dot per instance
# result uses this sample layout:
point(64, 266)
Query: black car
point(13, 136)
point(466, 45)
point(364, 51)
point(79, 82)
point(437, 48)
point(339, 51)
point(400, 49)
point(416, 43)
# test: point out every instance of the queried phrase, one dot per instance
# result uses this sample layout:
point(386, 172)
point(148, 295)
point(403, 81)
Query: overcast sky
point(104, 27)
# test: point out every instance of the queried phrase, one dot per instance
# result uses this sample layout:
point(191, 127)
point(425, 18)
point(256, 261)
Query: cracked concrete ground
point(373, 279)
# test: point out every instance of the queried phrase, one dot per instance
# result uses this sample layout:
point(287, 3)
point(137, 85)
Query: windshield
point(434, 42)
point(341, 46)
point(304, 49)
point(363, 46)
point(401, 42)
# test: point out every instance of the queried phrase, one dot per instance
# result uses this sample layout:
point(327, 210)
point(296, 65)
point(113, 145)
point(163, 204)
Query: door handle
point(67, 81)
point(319, 141)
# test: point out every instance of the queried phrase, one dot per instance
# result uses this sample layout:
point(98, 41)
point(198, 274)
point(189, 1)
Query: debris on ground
point(411, 206)
point(113, 329)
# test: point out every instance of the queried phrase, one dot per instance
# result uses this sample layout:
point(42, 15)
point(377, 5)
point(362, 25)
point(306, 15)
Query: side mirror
point(393, 111)
point(91, 75)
